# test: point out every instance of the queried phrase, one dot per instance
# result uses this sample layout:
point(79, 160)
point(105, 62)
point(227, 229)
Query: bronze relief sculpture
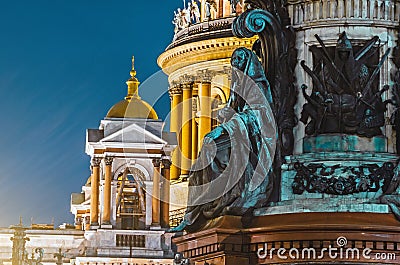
point(345, 97)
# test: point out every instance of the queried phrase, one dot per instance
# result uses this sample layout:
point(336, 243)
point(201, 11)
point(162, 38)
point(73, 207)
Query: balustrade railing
point(126, 240)
point(373, 10)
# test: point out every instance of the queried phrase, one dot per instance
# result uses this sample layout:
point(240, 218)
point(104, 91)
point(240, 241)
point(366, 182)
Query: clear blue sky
point(63, 64)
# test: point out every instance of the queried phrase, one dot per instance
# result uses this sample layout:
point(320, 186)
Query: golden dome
point(132, 106)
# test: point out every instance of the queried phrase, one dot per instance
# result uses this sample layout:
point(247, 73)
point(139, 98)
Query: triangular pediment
point(133, 134)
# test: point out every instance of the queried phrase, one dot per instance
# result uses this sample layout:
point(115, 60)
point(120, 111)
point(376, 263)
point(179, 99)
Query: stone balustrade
point(371, 11)
point(218, 27)
point(126, 243)
point(124, 240)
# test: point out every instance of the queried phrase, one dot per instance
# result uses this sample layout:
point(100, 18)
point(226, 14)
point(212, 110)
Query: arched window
point(130, 204)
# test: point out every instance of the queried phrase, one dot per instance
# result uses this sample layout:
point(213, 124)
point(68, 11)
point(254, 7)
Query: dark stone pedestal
point(226, 241)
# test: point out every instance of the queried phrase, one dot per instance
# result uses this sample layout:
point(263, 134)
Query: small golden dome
point(132, 106)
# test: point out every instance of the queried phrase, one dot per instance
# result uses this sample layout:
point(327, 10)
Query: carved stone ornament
point(108, 160)
point(342, 180)
point(187, 81)
point(175, 88)
point(228, 71)
point(205, 76)
point(156, 162)
point(96, 161)
point(166, 163)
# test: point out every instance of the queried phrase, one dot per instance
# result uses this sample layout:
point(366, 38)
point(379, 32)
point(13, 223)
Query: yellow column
point(175, 126)
point(156, 194)
point(165, 193)
point(227, 85)
point(194, 130)
point(107, 191)
point(186, 128)
point(205, 109)
point(94, 199)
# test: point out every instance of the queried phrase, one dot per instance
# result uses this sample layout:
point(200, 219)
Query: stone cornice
point(202, 51)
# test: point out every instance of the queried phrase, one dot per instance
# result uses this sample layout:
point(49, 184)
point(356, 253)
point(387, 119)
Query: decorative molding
point(202, 51)
point(205, 76)
point(342, 180)
point(187, 81)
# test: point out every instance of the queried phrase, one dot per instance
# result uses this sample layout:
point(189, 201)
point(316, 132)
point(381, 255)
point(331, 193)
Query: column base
point(94, 226)
point(183, 177)
point(106, 226)
point(155, 227)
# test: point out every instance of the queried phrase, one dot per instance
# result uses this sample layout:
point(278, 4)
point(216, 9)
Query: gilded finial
point(133, 83)
point(133, 71)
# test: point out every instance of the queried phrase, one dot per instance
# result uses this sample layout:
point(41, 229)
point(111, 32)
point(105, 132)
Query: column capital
point(187, 86)
point(156, 162)
point(205, 76)
point(187, 80)
point(166, 163)
point(175, 89)
point(78, 220)
point(95, 162)
point(228, 71)
point(108, 160)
